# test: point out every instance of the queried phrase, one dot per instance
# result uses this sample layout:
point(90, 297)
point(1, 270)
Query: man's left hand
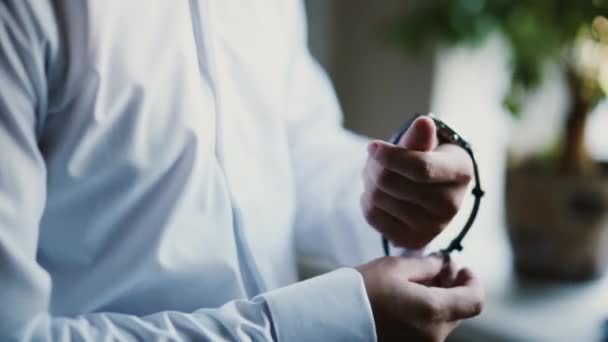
point(415, 188)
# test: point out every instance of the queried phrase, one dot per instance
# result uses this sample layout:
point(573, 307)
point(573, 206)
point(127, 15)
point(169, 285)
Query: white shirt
point(164, 166)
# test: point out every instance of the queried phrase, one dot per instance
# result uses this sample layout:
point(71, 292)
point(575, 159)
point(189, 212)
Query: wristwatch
point(447, 135)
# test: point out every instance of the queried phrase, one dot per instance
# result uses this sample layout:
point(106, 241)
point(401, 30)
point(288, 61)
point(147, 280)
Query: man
point(162, 161)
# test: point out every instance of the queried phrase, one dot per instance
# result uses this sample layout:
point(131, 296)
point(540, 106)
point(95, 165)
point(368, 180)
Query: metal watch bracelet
point(447, 135)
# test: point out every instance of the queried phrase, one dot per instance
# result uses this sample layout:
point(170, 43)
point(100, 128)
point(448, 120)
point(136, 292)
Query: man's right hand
point(419, 299)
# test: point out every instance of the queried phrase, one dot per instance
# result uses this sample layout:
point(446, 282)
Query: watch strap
point(446, 134)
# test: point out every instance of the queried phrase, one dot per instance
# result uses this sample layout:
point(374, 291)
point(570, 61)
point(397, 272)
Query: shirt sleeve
point(293, 313)
point(328, 162)
point(286, 314)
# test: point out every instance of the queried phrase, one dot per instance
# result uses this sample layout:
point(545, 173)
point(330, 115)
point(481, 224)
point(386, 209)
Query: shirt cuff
point(330, 307)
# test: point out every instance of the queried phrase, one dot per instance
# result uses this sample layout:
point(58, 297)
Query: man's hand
point(409, 305)
point(415, 188)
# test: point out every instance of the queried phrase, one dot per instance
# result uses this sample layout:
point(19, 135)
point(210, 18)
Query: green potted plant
point(557, 200)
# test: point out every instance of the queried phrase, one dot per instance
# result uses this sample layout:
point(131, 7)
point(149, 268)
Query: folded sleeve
point(332, 307)
point(328, 162)
point(289, 314)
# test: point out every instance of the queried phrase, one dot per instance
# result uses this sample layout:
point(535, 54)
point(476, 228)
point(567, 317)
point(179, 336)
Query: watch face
point(446, 134)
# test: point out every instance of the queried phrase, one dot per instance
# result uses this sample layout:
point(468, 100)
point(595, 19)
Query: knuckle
point(386, 156)
point(478, 305)
point(433, 336)
point(370, 215)
point(376, 196)
point(423, 169)
point(469, 171)
point(427, 335)
point(467, 176)
point(414, 243)
point(368, 209)
point(477, 308)
point(432, 311)
point(390, 262)
point(384, 178)
point(401, 237)
point(451, 206)
point(420, 243)
point(435, 228)
point(396, 239)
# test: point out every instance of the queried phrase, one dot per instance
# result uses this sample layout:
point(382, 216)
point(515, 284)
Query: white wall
point(378, 85)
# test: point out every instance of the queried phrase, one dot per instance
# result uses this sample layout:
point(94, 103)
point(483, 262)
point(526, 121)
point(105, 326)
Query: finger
point(446, 164)
point(465, 300)
point(425, 225)
point(421, 270)
point(398, 233)
point(448, 275)
point(420, 136)
point(464, 277)
point(441, 200)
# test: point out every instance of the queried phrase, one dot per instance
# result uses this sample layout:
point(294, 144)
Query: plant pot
point(557, 225)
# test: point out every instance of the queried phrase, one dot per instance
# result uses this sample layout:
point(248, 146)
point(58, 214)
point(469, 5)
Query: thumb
point(420, 136)
point(422, 270)
point(465, 300)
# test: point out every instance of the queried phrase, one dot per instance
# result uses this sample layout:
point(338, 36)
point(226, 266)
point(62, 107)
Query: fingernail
point(372, 149)
point(421, 136)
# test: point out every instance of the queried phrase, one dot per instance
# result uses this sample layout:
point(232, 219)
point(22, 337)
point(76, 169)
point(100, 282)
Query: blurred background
point(525, 82)
point(373, 78)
